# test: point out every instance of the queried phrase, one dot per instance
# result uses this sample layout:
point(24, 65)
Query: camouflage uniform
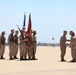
point(15, 46)
point(34, 46)
point(22, 48)
point(73, 47)
point(11, 45)
point(28, 44)
point(26, 47)
point(63, 46)
point(2, 46)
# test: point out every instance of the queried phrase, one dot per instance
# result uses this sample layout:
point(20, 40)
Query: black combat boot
point(33, 58)
point(11, 58)
point(2, 57)
point(29, 58)
point(62, 60)
point(25, 58)
point(73, 60)
point(21, 58)
point(15, 57)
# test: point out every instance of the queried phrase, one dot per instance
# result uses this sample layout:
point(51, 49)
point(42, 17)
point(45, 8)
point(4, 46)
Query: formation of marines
point(26, 49)
point(72, 45)
point(27, 46)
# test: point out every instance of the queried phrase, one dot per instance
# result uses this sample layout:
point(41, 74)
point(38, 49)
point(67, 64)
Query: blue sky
point(49, 17)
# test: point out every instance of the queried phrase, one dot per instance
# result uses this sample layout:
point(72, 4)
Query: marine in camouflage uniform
point(11, 44)
point(34, 45)
point(28, 45)
point(22, 46)
point(15, 45)
point(63, 45)
point(73, 47)
point(2, 45)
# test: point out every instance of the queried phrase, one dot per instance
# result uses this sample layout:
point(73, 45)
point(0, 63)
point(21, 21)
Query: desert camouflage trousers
point(33, 50)
point(73, 53)
point(63, 51)
point(15, 49)
point(2, 49)
point(29, 51)
point(11, 49)
point(23, 50)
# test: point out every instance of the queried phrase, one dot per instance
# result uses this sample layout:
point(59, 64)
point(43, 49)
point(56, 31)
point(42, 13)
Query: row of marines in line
point(27, 48)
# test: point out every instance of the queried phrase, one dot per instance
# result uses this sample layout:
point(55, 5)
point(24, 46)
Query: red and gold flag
point(29, 30)
point(29, 24)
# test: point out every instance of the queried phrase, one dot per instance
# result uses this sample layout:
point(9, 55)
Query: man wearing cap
point(2, 45)
point(34, 46)
point(63, 45)
point(15, 45)
point(73, 47)
point(70, 33)
point(11, 44)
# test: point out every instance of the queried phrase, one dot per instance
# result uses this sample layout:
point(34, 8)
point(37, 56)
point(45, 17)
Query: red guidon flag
point(29, 30)
point(29, 24)
point(53, 38)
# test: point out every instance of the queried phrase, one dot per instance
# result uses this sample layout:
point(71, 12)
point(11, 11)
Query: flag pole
point(53, 41)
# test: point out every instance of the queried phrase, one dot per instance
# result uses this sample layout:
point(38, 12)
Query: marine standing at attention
point(2, 45)
point(63, 45)
point(11, 44)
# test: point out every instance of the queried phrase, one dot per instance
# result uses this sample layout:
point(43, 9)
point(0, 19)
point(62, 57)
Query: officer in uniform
point(22, 46)
point(11, 44)
point(34, 46)
point(15, 45)
point(63, 45)
point(28, 45)
point(73, 47)
point(2, 45)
